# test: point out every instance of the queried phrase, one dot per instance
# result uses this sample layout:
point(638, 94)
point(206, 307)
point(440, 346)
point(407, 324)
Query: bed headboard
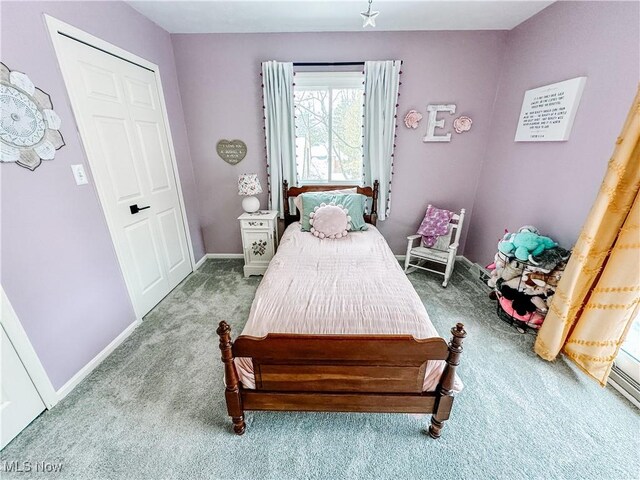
point(287, 193)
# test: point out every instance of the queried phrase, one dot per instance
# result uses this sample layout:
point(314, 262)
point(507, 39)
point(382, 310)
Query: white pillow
point(298, 200)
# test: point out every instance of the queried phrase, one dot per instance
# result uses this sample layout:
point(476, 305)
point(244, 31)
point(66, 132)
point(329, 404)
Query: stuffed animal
point(525, 244)
point(521, 302)
point(529, 286)
point(551, 279)
point(540, 303)
point(504, 269)
point(551, 259)
point(496, 269)
point(528, 228)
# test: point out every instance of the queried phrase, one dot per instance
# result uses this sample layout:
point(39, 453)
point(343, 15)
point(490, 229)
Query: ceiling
point(243, 16)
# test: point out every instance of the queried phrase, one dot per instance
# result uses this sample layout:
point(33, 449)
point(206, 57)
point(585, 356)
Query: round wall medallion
point(28, 125)
point(22, 123)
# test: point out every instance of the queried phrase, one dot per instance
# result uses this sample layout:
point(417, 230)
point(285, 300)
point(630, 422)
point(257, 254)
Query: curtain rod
point(326, 64)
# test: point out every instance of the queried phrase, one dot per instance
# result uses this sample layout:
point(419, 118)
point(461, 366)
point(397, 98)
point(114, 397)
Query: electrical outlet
point(79, 175)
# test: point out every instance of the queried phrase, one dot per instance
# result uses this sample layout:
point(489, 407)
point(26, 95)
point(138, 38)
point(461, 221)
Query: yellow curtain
point(599, 293)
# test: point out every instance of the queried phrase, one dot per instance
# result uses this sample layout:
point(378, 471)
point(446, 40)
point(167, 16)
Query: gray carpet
point(155, 409)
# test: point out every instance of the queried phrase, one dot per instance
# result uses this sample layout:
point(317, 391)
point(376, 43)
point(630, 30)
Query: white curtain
point(277, 91)
point(381, 83)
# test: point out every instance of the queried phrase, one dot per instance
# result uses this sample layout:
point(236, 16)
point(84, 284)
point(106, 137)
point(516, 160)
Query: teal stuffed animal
point(525, 244)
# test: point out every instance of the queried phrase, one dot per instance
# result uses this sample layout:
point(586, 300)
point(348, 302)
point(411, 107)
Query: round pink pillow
point(330, 221)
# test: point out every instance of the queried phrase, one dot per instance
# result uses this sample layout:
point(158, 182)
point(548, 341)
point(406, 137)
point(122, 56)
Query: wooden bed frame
point(339, 373)
point(287, 193)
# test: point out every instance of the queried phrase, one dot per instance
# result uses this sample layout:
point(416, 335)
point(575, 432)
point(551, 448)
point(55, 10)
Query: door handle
point(135, 208)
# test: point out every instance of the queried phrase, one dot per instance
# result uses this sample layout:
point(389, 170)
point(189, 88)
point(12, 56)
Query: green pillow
point(354, 202)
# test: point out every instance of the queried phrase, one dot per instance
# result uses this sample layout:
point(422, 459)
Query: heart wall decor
point(231, 151)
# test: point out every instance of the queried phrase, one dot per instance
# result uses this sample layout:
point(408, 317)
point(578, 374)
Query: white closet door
point(117, 107)
point(19, 399)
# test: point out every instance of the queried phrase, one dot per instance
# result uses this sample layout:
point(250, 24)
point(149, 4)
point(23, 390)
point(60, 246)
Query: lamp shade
point(248, 184)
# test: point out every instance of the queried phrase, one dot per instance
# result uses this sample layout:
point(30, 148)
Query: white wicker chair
point(443, 252)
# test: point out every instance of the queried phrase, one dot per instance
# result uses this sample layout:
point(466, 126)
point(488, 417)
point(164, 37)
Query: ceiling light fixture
point(369, 17)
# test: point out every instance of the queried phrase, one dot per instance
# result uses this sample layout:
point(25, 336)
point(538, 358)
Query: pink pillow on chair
point(330, 221)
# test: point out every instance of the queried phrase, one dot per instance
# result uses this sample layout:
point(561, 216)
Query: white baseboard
point(200, 262)
point(225, 255)
point(208, 256)
point(465, 260)
point(10, 323)
point(89, 367)
point(401, 258)
point(459, 258)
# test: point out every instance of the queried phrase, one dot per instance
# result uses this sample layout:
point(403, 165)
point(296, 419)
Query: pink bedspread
point(353, 285)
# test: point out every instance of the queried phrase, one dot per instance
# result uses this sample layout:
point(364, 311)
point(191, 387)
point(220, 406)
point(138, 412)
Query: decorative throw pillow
point(330, 221)
point(297, 201)
point(353, 202)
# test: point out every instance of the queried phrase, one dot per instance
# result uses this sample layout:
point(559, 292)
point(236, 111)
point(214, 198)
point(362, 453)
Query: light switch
point(79, 175)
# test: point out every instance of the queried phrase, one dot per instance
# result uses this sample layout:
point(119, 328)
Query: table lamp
point(249, 186)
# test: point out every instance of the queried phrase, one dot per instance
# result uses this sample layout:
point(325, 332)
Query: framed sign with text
point(548, 112)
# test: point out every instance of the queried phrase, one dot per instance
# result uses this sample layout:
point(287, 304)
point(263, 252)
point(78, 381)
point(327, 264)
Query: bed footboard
point(340, 373)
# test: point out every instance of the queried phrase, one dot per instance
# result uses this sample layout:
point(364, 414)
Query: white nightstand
point(259, 240)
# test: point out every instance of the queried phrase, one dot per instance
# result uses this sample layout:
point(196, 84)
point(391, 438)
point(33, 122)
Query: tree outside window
point(329, 127)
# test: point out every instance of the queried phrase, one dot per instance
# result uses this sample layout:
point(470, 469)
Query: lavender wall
point(59, 267)
point(58, 264)
point(553, 185)
point(220, 89)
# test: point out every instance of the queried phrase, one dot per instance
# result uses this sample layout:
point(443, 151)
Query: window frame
point(328, 80)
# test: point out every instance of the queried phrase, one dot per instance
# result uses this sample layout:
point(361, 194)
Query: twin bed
point(336, 326)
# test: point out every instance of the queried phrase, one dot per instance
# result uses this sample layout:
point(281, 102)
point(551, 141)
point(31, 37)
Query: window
point(629, 354)
point(626, 368)
point(329, 126)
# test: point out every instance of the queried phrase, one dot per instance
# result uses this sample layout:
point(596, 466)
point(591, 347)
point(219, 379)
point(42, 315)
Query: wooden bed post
point(232, 391)
point(374, 203)
point(285, 198)
point(445, 387)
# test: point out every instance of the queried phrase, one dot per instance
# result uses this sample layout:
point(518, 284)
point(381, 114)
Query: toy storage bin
point(523, 288)
point(532, 321)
